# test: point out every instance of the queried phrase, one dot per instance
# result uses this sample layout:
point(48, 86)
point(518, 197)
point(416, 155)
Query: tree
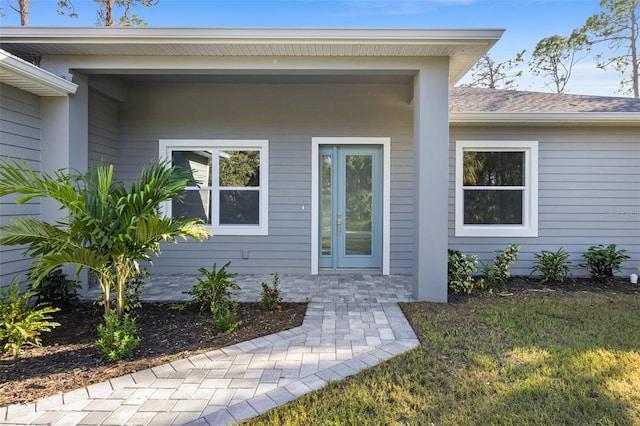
point(555, 56)
point(496, 75)
point(618, 25)
point(107, 229)
point(22, 7)
point(106, 10)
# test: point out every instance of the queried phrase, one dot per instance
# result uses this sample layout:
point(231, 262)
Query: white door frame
point(386, 189)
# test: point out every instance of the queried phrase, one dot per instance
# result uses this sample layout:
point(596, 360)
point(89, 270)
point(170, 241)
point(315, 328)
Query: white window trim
point(167, 145)
point(530, 208)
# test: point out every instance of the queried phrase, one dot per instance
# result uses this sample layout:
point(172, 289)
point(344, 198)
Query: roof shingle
point(473, 99)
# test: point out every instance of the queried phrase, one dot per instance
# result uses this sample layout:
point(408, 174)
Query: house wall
point(103, 129)
point(288, 115)
point(589, 192)
point(20, 139)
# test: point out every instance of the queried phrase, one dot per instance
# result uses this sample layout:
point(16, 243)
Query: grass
point(529, 358)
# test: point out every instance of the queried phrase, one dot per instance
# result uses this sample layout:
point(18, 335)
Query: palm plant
point(106, 229)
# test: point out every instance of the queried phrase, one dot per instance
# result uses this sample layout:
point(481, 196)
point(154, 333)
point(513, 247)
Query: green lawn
point(534, 358)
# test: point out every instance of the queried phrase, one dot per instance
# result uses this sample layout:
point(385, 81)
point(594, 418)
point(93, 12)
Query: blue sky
point(525, 21)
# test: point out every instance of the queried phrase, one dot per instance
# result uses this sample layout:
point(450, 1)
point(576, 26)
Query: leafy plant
point(460, 270)
point(554, 265)
point(270, 296)
point(108, 228)
point(224, 315)
point(215, 292)
point(56, 289)
point(21, 324)
point(214, 288)
point(500, 271)
point(117, 339)
point(604, 261)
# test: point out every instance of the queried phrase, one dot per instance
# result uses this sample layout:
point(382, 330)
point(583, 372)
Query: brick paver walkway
point(352, 322)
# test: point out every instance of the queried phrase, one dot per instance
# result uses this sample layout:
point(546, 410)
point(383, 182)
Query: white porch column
point(64, 127)
point(431, 180)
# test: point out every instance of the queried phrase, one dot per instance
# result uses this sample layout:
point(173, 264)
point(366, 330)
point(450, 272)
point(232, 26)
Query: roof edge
point(557, 118)
point(33, 79)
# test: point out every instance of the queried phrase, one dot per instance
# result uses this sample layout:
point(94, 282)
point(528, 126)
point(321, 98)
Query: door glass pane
point(487, 207)
point(326, 205)
point(358, 205)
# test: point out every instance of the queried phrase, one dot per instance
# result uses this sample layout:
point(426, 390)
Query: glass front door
point(350, 207)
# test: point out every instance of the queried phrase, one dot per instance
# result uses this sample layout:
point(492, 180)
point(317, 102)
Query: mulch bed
point(68, 359)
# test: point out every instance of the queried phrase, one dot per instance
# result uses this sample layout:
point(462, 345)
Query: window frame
point(167, 146)
point(529, 227)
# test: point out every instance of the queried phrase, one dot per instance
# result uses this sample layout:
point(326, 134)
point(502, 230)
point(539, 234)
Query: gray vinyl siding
point(103, 129)
point(589, 192)
point(288, 116)
point(20, 139)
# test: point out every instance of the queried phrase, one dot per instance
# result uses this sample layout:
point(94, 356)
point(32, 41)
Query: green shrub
point(500, 271)
point(223, 316)
point(215, 292)
point(21, 324)
point(553, 265)
point(460, 270)
point(604, 261)
point(215, 288)
point(117, 339)
point(56, 289)
point(271, 298)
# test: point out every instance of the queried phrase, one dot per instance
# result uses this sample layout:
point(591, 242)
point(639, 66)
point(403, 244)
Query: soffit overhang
point(26, 76)
point(463, 46)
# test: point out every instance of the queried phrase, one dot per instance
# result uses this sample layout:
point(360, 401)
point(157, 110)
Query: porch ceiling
point(464, 47)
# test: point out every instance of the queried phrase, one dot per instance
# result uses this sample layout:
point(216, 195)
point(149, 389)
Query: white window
point(496, 189)
point(232, 196)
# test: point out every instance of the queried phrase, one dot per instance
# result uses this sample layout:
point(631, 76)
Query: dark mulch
point(569, 286)
point(68, 359)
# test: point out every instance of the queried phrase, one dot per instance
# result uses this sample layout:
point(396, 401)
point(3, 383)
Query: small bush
point(215, 292)
point(460, 270)
point(117, 340)
point(21, 324)
point(500, 271)
point(224, 316)
point(271, 298)
point(57, 290)
point(604, 261)
point(553, 265)
point(215, 288)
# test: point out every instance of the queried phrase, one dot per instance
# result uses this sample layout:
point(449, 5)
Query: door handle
point(339, 223)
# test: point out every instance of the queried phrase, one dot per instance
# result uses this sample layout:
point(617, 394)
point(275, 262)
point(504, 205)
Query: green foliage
point(555, 56)
point(21, 324)
point(604, 261)
point(496, 75)
point(500, 271)
point(117, 339)
point(215, 292)
point(617, 26)
point(223, 316)
point(108, 229)
point(57, 290)
point(270, 296)
point(461, 268)
point(214, 288)
point(554, 265)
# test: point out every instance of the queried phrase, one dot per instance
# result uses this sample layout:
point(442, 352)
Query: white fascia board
point(182, 35)
point(554, 118)
point(21, 73)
